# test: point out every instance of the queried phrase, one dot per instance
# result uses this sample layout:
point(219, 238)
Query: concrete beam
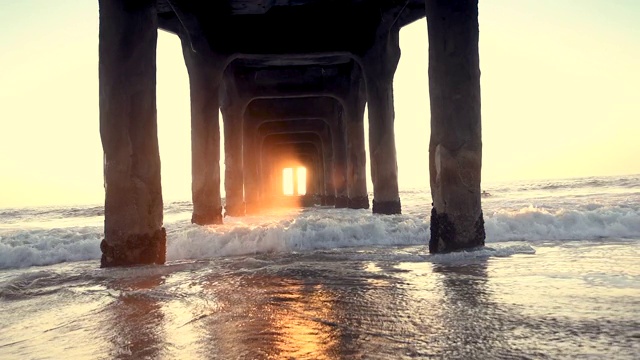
point(291, 81)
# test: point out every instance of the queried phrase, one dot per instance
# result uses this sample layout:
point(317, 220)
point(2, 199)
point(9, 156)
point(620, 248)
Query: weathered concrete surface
point(234, 175)
point(356, 154)
point(380, 64)
point(204, 83)
point(339, 137)
point(455, 149)
point(250, 150)
point(133, 195)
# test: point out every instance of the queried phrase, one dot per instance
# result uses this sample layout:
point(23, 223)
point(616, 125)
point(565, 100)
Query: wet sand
point(567, 300)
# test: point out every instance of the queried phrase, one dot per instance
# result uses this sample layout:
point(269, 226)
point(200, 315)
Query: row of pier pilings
point(285, 102)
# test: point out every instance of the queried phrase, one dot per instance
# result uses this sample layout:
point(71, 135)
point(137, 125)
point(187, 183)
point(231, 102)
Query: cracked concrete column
point(128, 130)
point(204, 82)
point(380, 64)
point(233, 175)
point(357, 156)
point(455, 150)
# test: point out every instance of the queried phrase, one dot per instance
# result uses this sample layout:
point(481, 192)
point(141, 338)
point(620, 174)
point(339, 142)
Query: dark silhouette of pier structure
point(291, 79)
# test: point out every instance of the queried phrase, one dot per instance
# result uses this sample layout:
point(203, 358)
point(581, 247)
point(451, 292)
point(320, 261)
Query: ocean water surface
point(559, 277)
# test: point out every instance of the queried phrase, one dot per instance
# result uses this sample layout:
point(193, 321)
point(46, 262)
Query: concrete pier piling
point(356, 153)
point(455, 149)
point(128, 130)
point(233, 175)
point(204, 83)
point(380, 64)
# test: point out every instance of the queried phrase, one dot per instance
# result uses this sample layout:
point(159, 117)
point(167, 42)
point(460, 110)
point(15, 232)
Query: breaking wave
point(320, 228)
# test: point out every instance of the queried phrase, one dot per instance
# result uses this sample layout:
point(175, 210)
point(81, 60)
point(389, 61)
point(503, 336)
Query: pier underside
point(286, 105)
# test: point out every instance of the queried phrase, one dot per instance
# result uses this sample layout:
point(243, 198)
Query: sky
point(560, 98)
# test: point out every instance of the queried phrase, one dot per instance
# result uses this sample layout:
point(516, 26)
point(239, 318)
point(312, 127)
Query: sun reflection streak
point(269, 317)
point(302, 327)
point(135, 320)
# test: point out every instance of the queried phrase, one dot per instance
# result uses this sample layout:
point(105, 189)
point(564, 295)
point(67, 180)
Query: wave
point(17, 215)
point(12, 216)
point(589, 223)
point(317, 229)
point(29, 247)
point(618, 182)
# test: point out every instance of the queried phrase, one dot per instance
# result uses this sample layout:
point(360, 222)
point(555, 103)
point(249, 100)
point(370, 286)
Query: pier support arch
point(306, 107)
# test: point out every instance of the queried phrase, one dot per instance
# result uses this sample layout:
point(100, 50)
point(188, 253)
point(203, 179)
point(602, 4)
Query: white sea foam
point(532, 223)
point(321, 229)
point(23, 248)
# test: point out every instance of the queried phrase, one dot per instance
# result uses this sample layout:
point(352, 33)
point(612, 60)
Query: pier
point(291, 79)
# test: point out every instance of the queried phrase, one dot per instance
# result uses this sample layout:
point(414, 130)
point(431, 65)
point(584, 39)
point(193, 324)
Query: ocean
point(559, 277)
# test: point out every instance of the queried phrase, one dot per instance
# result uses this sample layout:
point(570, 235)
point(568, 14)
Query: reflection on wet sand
point(303, 327)
point(134, 322)
point(454, 310)
point(473, 327)
point(264, 316)
point(218, 316)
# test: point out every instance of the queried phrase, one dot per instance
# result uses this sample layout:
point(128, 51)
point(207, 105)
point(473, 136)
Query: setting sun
point(289, 181)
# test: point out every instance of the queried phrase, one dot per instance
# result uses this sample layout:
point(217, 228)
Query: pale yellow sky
point(560, 98)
